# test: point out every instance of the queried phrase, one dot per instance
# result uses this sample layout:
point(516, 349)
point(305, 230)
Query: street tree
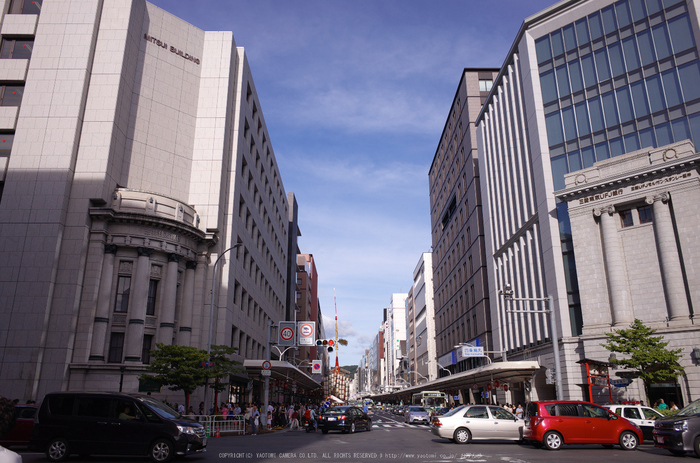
point(180, 368)
point(221, 369)
point(645, 354)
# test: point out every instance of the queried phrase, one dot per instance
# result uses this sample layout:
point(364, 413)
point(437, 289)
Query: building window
point(116, 348)
point(121, 304)
point(16, 49)
point(645, 214)
point(626, 218)
point(485, 85)
point(146, 349)
point(151, 303)
point(11, 95)
point(25, 7)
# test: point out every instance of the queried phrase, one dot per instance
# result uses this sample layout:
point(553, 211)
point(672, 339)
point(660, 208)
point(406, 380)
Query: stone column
point(669, 258)
point(200, 290)
point(104, 300)
point(185, 334)
point(167, 313)
point(133, 343)
point(615, 268)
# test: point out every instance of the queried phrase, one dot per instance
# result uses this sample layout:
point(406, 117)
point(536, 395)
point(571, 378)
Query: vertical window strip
point(528, 189)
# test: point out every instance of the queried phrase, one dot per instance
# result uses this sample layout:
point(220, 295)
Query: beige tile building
point(459, 271)
point(138, 154)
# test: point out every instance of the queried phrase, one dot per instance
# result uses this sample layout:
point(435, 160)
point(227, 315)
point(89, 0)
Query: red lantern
point(505, 387)
point(488, 387)
point(496, 384)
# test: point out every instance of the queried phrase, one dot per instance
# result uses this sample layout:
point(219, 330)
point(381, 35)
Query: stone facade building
point(138, 156)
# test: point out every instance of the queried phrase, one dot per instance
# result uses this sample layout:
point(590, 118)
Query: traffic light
point(327, 343)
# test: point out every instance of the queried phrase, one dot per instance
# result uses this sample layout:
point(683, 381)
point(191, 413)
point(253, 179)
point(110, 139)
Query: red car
point(555, 423)
point(19, 435)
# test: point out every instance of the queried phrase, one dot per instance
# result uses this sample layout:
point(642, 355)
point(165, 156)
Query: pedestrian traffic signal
point(327, 343)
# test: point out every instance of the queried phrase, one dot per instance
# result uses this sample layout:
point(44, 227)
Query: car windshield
point(691, 409)
point(416, 409)
point(453, 411)
point(335, 410)
point(160, 408)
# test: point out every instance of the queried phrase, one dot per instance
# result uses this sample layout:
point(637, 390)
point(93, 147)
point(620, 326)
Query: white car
point(416, 414)
point(468, 422)
point(642, 416)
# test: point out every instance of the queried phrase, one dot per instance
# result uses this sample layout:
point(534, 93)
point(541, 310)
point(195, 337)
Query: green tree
point(644, 353)
point(177, 367)
point(222, 368)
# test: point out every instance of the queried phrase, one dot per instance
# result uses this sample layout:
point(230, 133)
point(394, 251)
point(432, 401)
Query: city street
point(390, 440)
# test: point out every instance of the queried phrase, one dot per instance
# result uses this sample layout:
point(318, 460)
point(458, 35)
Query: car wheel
point(696, 446)
point(552, 440)
point(629, 440)
point(369, 425)
point(352, 428)
point(324, 431)
point(462, 436)
point(161, 451)
point(57, 449)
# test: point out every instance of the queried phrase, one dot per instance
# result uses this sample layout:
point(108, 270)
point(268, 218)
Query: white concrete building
point(137, 155)
point(395, 336)
point(585, 84)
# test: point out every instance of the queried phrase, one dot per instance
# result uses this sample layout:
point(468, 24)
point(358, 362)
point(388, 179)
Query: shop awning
point(283, 371)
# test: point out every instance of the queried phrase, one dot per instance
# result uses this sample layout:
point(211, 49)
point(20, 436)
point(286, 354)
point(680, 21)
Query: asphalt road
point(389, 441)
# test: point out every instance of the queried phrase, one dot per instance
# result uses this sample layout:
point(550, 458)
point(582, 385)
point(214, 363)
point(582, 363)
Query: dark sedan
point(345, 419)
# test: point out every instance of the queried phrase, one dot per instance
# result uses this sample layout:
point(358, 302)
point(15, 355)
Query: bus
point(430, 400)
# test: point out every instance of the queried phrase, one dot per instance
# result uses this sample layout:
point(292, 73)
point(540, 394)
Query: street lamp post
point(507, 294)
point(440, 366)
point(415, 372)
point(211, 317)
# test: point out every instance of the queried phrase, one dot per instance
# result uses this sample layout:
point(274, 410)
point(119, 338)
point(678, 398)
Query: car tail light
point(537, 420)
point(436, 422)
point(342, 417)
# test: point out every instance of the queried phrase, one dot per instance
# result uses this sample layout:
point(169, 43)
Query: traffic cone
point(218, 434)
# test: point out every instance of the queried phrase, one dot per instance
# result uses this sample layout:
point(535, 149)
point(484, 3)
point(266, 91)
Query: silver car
point(468, 422)
point(416, 414)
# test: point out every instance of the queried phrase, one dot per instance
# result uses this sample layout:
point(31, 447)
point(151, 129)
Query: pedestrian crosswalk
point(379, 423)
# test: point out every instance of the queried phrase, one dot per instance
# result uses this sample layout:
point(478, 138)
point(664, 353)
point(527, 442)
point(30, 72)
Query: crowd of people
point(279, 415)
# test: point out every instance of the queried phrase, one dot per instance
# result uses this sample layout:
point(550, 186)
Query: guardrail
point(212, 423)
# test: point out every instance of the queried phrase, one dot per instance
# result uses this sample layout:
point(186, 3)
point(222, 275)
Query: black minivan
point(86, 423)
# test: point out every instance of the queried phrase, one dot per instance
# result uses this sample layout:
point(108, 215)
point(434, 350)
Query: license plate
point(660, 440)
point(331, 419)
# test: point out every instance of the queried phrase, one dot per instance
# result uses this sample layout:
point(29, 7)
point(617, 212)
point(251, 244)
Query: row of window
point(616, 60)
point(625, 104)
point(121, 302)
point(606, 21)
point(660, 135)
point(642, 214)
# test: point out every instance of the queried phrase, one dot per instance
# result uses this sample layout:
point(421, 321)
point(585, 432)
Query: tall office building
point(461, 296)
point(590, 187)
point(135, 155)
point(420, 322)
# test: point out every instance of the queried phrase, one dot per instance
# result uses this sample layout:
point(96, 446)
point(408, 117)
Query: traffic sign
point(267, 372)
point(307, 333)
point(266, 365)
point(475, 387)
point(316, 366)
point(287, 334)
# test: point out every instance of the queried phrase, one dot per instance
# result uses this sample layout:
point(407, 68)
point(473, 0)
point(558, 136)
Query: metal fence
point(212, 423)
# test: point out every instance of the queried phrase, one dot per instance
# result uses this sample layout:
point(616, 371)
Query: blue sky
point(355, 95)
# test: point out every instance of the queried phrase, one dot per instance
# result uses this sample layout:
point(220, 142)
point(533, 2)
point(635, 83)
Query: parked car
point(345, 419)
point(86, 423)
point(680, 433)
point(641, 416)
point(555, 423)
point(468, 422)
point(416, 414)
point(20, 434)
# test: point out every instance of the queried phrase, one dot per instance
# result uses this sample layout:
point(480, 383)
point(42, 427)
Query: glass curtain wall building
point(584, 82)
